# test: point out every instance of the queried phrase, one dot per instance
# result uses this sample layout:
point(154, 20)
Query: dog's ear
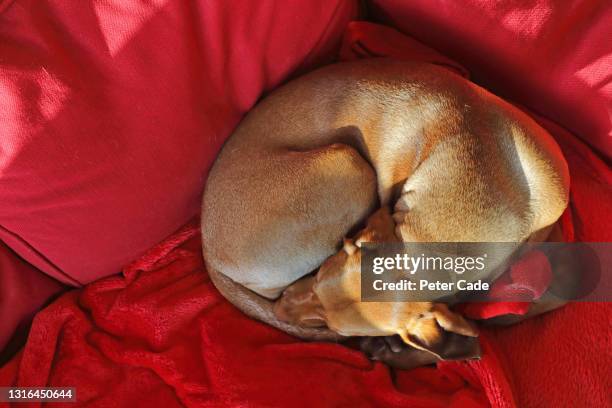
point(444, 333)
point(299, 305)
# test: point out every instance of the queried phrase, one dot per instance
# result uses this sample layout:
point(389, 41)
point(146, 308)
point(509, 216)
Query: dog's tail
point(260, 308)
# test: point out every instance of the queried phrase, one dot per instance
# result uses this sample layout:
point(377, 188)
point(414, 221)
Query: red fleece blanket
point(161, 335)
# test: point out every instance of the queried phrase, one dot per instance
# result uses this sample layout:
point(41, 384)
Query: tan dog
point(316, 157)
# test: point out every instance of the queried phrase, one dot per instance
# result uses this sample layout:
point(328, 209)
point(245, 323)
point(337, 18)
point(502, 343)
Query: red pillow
point(112, 114)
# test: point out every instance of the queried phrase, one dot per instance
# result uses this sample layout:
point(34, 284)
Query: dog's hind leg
point(269, 230)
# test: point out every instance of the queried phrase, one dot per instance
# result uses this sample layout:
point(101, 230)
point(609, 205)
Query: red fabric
point(527, 279)
point(160, 335)
point(113, 111)
point(23, 290)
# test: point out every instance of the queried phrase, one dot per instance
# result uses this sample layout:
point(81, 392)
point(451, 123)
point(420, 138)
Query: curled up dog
point(394, 150)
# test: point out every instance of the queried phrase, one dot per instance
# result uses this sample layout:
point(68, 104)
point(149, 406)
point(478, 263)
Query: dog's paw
point(392, 351)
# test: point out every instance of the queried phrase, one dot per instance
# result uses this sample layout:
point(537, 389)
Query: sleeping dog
point(313, 160)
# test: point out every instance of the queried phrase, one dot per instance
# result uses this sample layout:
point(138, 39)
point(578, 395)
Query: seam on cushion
point(50, 266)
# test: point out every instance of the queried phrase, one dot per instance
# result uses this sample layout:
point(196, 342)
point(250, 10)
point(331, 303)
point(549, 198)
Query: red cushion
point(113, 113)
